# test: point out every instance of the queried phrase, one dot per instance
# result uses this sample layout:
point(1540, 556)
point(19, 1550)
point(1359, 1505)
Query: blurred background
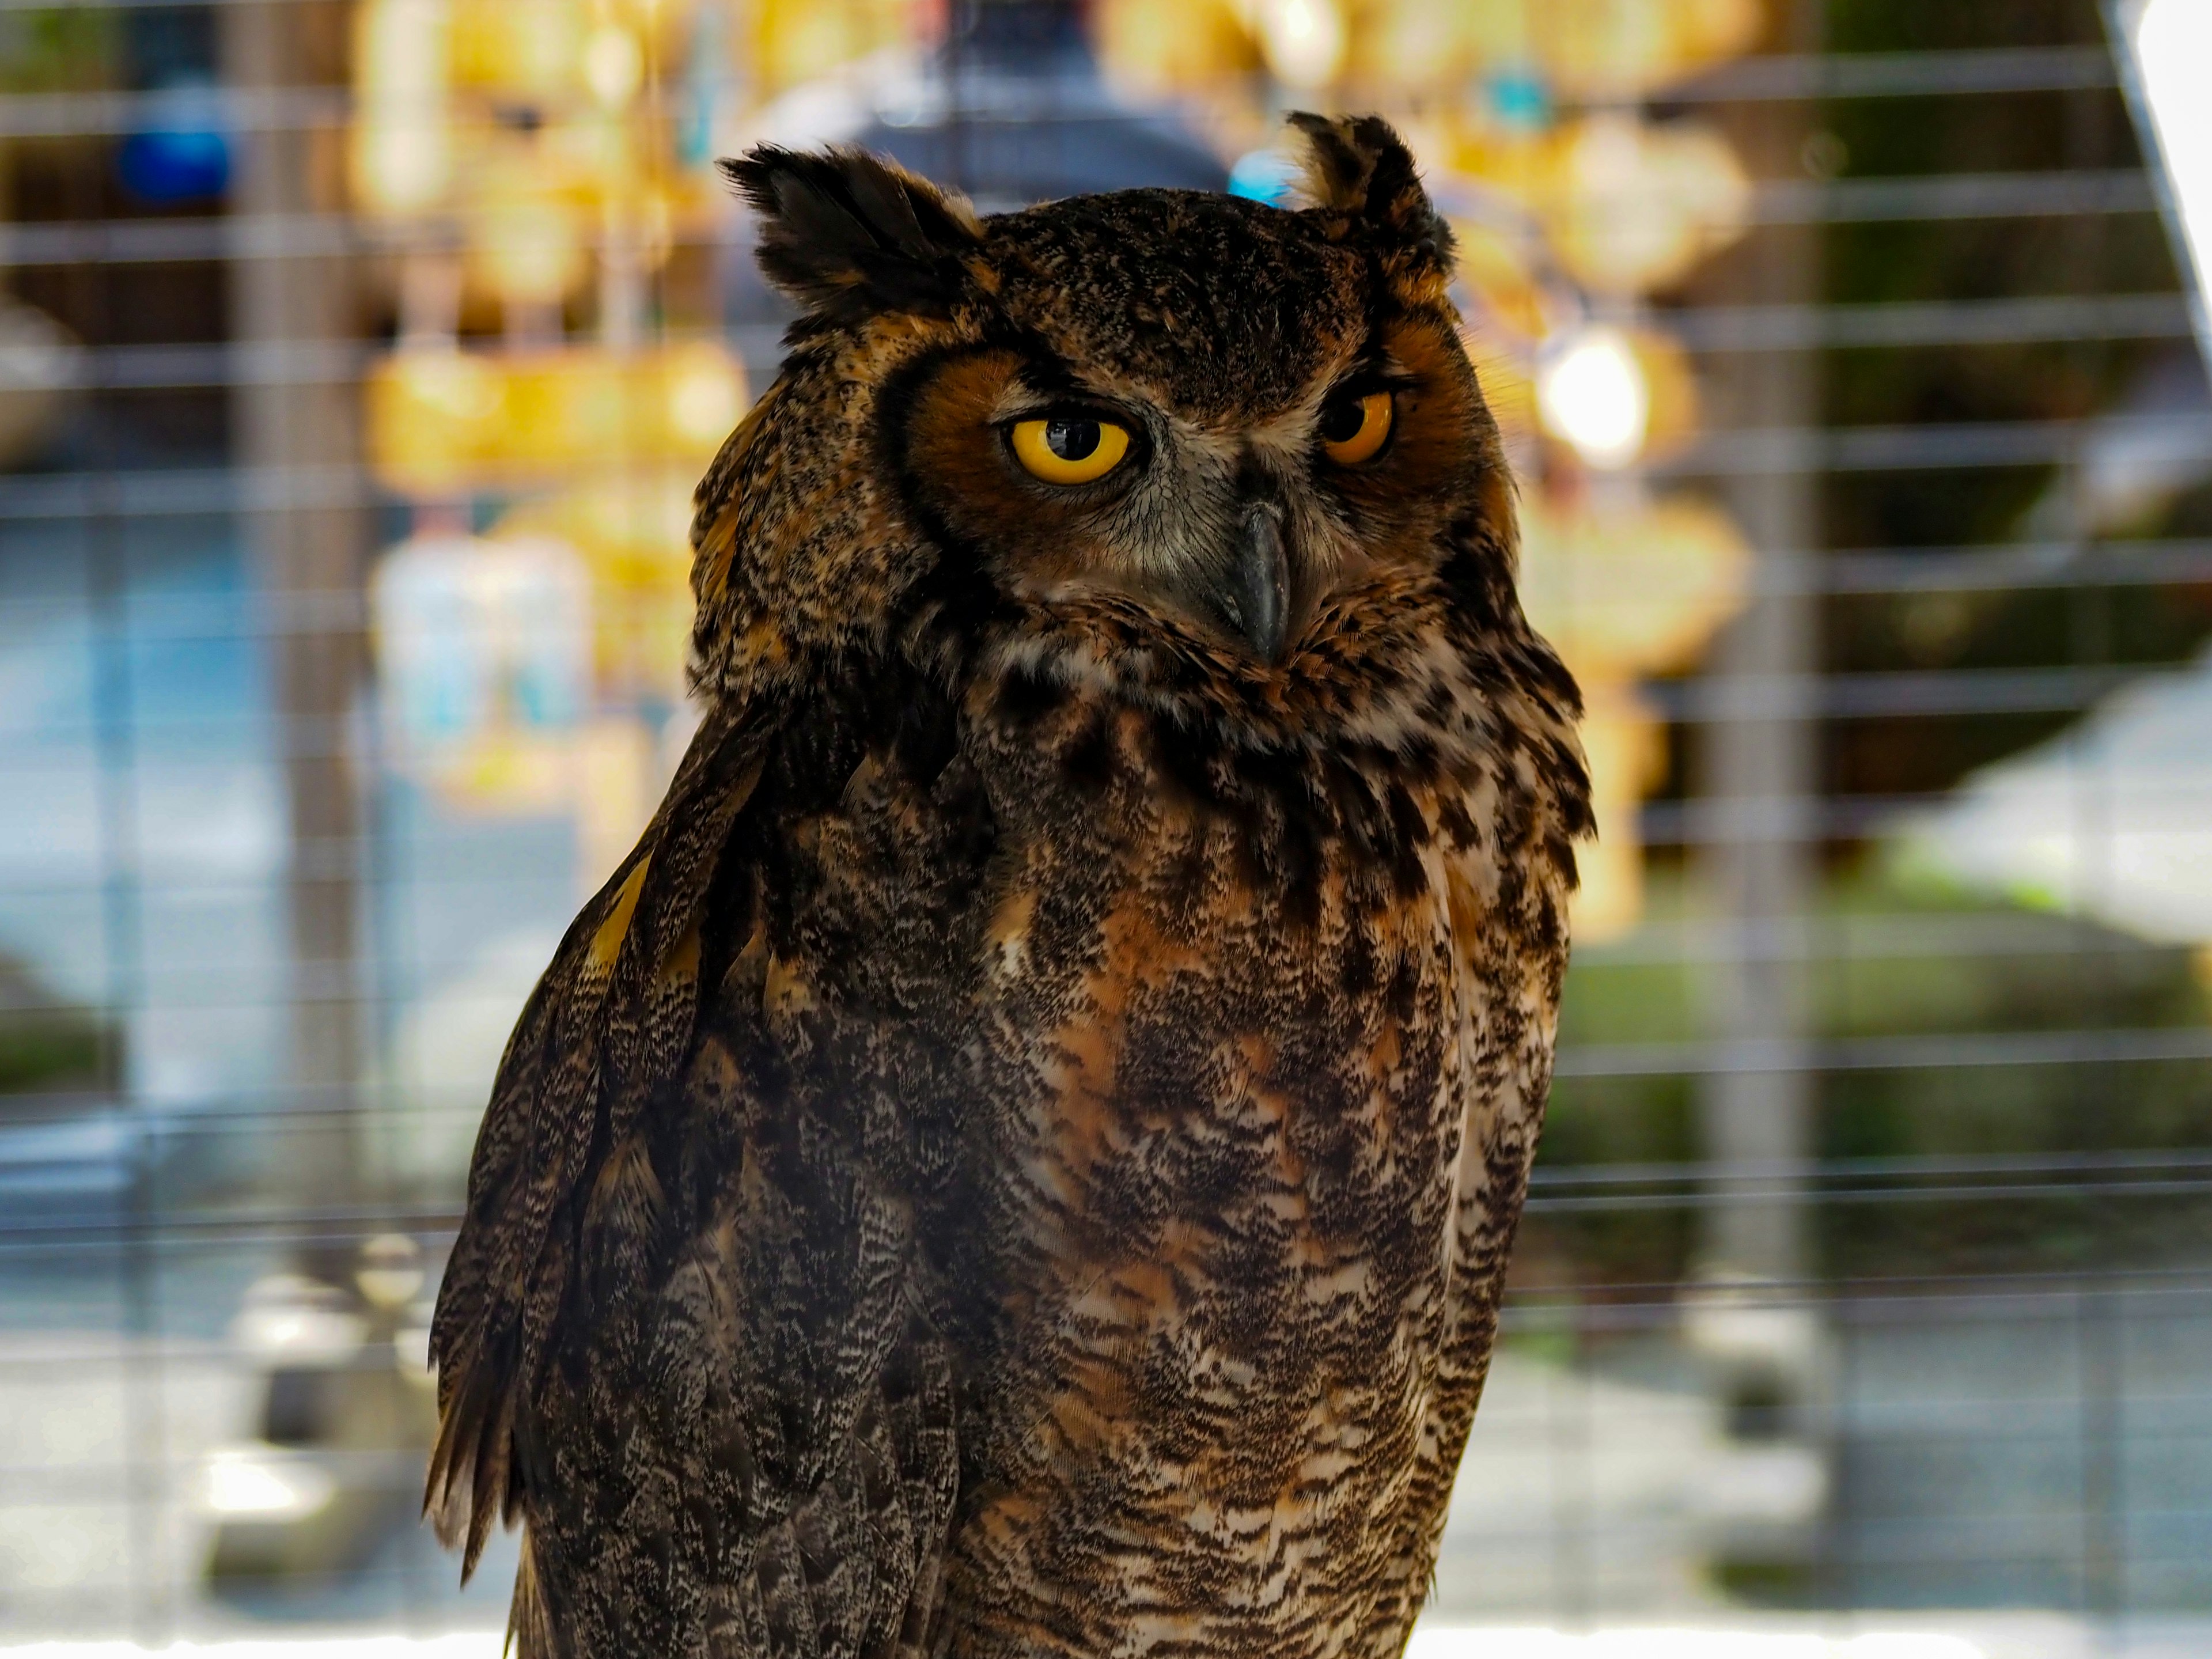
point(356, 361)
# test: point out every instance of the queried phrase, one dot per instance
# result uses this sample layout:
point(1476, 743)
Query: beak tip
point(1257, 603)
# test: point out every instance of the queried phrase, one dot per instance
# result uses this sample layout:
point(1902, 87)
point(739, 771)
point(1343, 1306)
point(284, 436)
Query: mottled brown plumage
point(1022, 1157)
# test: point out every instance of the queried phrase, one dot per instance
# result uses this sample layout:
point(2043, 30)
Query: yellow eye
point(1353, 428)
point(1070, 449)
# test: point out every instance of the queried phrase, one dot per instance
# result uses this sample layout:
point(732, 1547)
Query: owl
point(1021, 1158)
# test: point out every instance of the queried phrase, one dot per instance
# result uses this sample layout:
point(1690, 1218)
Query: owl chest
point(1227, 1190)
point(1229, 1162)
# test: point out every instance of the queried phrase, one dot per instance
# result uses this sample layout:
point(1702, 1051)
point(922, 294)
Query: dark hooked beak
point(1255, 600)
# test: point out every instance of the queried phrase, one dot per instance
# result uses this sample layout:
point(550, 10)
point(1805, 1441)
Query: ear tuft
point(847, 234)
point(1359, 167)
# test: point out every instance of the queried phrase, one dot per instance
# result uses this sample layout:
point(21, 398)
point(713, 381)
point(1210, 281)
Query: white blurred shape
point(2111, 818)
point(402, 159)
point(291, 1321)
point(1303, 40)
point(40, 362)
point(2171, 43)
point(249, 1480)
point(705, 400)
point(1591, 392)
point(614, 65)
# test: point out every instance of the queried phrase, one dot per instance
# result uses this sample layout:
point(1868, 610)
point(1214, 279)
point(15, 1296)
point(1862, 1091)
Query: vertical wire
point(116, 747)
point(1840, 1536)
point(1581, 1473)
point(2100, 1093)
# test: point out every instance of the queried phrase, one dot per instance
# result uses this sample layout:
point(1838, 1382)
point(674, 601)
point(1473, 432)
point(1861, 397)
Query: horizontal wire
point(237, 238)
point(1853, 937)
point(1963, 446)
point(1942, 1051)
point(2054, 319)
point(1811, 1057)
point(2037, 319)
point(168, 618)
point(1759, 699)
point(1924, 1294)
point(1715, 700)
point(22, 1235)
point(1836, 1198)
point(1811, 1173)
point(1786, 77)
point(100, 112)
point(1801, 821)
point(110, 112)
point(1785, 202)
point(2001, 566)
point(1953, 196)
point(1814, 939)
point(204, 366)
point(1729, 451)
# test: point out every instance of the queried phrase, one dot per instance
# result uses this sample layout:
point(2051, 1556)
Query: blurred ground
point(1589, 1492)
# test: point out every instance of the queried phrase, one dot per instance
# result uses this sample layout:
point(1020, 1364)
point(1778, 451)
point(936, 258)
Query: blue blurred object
point(1263, 175)
point(1519, 98)
point(183, 154)
point(1010, 110)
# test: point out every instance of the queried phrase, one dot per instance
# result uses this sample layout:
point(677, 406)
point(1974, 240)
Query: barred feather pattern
point(1021, 1158)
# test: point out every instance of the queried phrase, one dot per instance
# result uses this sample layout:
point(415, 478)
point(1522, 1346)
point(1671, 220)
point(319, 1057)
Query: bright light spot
point(402, 155)
point(1592, 393)
point(405, 166)
point(251, 1482)
point(411, 1344)
point(390, 1271)
point(1303, 40)
point(703, 402)
point(2173, 47)
point(614, 65)
point(298, 1333)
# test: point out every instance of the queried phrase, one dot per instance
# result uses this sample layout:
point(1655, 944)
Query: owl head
point(1159, 431)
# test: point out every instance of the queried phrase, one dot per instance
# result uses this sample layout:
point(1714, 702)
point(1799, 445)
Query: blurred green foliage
point(47, 1045)
point(1899, 960)
point(58, 48)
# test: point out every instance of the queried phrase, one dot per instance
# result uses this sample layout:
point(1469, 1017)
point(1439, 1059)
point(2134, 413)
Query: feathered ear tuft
point(847, 233)
point(1357, 167)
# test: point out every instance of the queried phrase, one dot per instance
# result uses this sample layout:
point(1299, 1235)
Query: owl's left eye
point(1069, 449)
point(1353, 428)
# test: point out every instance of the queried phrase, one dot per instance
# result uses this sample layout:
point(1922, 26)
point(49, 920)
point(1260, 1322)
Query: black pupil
point(1340, 423)
point(1071, 439)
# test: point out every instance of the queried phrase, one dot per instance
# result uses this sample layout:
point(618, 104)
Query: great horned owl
point(1021, 1158)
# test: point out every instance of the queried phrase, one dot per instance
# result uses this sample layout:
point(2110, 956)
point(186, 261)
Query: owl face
point(1200, 402)
point(1211, 415)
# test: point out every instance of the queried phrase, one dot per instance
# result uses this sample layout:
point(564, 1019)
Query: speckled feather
point(1021, 1158)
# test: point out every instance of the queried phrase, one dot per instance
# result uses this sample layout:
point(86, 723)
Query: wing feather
point(608, 1023)
point(683, 1335)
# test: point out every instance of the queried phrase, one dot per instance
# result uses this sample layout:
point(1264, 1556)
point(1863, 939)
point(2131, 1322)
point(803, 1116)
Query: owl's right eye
point(1353, 428)
point(1069, 449)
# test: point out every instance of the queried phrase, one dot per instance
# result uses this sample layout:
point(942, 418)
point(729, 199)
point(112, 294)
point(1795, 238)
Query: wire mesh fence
point(355, 361)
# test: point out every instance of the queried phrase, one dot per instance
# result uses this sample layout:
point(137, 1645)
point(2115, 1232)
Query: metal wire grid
point(2097, 1371)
